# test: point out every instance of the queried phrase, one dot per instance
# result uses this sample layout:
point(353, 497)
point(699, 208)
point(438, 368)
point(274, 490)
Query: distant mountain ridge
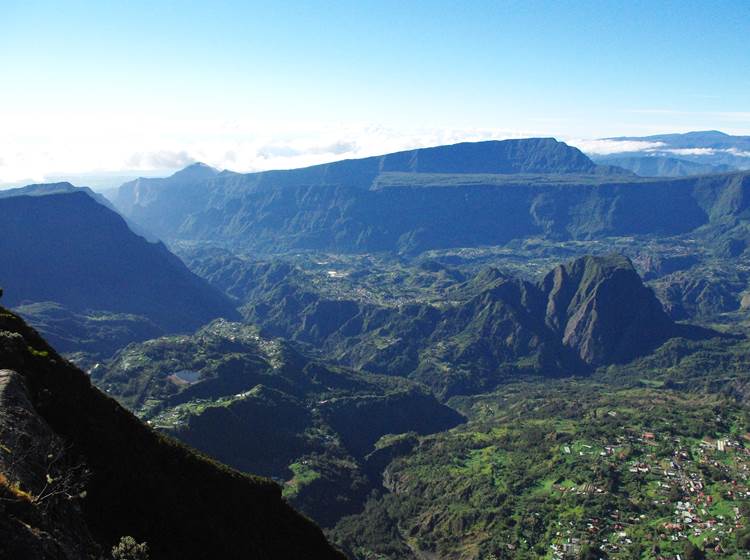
point(697, 139)
point(485, 193)
point(179, 204)
point(662, 166)
point(709, 148)
point(42, 189)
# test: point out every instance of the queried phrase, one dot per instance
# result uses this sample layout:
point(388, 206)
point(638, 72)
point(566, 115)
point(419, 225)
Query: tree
point(691, 552)
point(743, 540)
point(589, 552)
point(128, 549)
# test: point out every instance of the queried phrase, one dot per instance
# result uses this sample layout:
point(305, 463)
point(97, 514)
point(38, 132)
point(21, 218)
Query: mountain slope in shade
point(69, 249)
point(98, 333)
point(117, 477)
point(42, 189)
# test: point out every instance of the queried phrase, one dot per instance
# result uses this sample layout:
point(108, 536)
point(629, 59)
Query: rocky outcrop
point(601, 309)
point(41, 483)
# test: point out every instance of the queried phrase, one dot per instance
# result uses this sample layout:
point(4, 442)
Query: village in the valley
point(686, 489)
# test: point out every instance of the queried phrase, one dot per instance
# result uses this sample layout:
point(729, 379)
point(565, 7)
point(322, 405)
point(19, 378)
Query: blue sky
point(110, 86)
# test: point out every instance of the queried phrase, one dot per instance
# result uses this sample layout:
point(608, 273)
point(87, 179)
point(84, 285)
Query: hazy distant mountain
point(699, 139)
point(198, 201)
point(709, 147)
point(487, 193)
point(137, 199)
point(136, 193)
point(662, 166)
point(42, 189)
point(68, 248)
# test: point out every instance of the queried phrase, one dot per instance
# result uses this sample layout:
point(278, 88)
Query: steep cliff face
point(601, 309)
point(68, 248)
point(461, 195)
point(117, 477)
point(138, 199)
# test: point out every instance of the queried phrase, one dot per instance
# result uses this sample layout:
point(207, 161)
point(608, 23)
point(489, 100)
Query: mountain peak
point(515, 156)
point(39, 189)
point(197, 170)
point(602, 310)
point(707, 133)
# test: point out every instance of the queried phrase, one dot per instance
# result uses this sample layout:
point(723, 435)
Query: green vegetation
point(38, 353)
point(547, 471)
point(93, 335)
point(260, 406)
point(129, 549)
point(137, 481)
point(322, 429)
point(303, 475)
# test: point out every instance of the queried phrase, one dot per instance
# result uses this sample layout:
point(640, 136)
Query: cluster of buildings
point(686, 489)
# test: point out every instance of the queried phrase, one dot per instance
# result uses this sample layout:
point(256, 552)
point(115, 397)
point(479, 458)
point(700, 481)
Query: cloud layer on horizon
point(232, 146)
point(245, 146)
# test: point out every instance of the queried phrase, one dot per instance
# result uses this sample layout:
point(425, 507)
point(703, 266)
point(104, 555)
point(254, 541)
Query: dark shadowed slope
point(138, 483)
point(42, 189)
point(69, 249)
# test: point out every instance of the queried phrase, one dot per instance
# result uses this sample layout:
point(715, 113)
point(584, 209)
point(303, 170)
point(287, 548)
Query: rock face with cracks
point(601, 309)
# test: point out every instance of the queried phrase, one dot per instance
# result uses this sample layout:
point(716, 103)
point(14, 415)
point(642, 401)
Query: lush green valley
point(375, 280)
point(572, 470)
point(484, 351)
point(79, 472)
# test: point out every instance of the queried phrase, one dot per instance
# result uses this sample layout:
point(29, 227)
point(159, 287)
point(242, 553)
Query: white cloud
point(692, 151)
point(163, 159)
point(34, 147)
point(607, 147)
point(337, 148)
point(708, 152)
